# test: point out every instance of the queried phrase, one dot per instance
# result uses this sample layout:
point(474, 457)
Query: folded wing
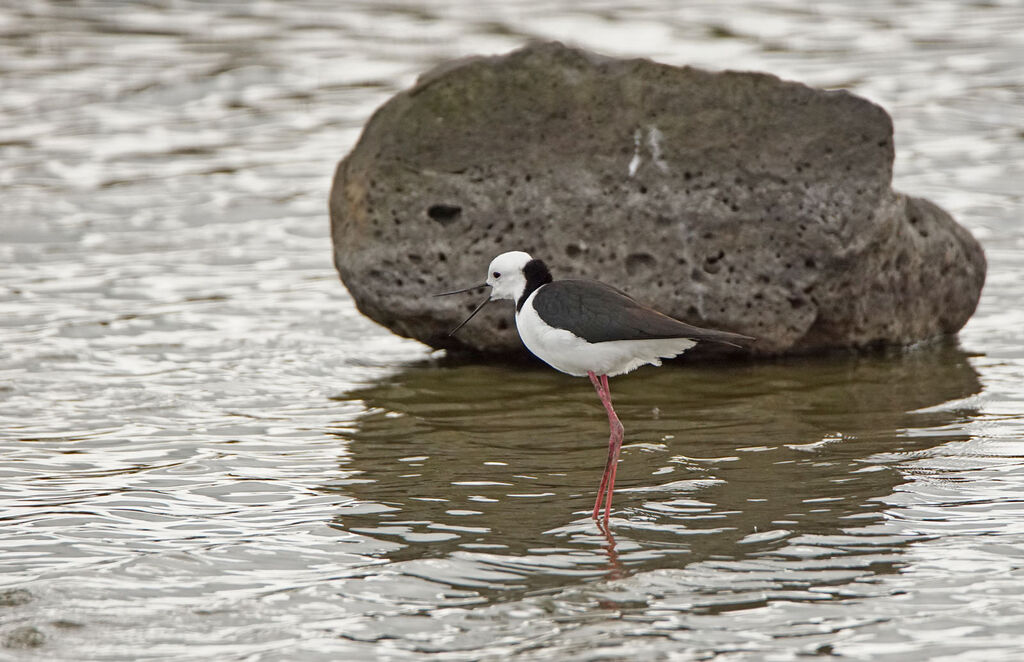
point(600, 313)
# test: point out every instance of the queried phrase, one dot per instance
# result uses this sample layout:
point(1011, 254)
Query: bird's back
point(597, 313)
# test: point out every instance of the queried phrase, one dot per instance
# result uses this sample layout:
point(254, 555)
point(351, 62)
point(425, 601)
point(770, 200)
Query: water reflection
point(499, 464)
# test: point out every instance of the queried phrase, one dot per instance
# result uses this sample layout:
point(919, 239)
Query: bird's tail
point(723, 337)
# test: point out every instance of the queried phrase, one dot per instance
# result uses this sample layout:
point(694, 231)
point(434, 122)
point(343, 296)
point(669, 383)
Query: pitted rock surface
point(729, 200)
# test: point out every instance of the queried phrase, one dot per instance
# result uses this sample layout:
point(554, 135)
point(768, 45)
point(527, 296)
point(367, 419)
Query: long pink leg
point(604, 477)
point(614, 445)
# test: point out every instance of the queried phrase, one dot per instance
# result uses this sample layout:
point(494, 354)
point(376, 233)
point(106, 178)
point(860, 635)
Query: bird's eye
point(496, 274)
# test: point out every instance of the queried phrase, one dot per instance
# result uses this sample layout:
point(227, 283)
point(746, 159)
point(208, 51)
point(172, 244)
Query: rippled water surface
point(207, 453)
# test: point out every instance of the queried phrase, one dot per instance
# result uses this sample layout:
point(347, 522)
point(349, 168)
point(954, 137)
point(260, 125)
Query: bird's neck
point(536, 274)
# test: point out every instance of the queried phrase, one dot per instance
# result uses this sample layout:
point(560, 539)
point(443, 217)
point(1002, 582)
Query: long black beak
point(472, 314)
point(465, 289)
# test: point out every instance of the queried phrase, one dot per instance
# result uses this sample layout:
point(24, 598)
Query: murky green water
point(206, 453)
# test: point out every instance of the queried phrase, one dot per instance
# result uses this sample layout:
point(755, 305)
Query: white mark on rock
point(634, 163)
point(654, 136)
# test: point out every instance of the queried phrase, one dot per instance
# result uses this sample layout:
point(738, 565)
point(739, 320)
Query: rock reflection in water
point(722, 461)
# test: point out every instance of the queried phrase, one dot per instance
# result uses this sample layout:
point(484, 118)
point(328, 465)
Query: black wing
point(598, 313)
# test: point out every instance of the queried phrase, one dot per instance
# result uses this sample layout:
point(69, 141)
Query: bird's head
point(506, 276)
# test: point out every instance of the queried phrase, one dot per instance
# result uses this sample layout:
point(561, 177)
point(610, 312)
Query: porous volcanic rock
point(730, 200)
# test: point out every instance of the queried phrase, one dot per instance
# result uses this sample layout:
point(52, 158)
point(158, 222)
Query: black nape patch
point(536, 274)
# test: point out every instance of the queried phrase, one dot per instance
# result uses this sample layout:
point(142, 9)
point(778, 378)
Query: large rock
point(730, 200)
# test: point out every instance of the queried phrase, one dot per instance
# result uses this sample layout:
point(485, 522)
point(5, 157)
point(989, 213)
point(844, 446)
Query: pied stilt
point(587, 328)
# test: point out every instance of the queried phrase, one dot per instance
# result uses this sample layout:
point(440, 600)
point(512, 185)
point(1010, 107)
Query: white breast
point(572, 355)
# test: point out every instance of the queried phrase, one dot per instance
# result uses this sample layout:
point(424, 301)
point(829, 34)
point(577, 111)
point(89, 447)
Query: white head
point(505, 275)
point(509, 276)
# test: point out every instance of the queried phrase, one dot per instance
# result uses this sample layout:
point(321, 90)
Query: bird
point(585, 328)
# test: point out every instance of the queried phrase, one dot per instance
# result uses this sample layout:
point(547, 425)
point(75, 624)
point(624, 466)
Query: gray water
point(207, 453)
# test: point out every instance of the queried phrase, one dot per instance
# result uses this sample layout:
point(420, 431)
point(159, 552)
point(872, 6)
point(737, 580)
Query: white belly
point(565, 352)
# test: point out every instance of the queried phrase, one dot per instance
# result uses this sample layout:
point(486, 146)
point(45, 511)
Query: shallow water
point(207, 453)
